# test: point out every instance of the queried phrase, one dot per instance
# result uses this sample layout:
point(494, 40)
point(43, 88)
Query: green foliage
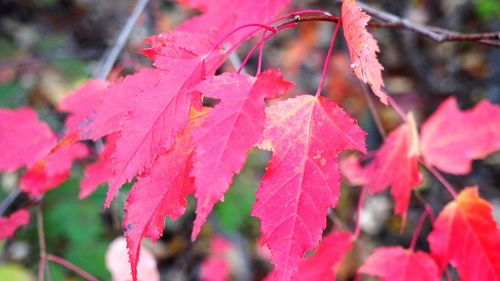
point(14, 272)
point(74, 228)
point(235, 211)
point(12, 95)
point(488, 9)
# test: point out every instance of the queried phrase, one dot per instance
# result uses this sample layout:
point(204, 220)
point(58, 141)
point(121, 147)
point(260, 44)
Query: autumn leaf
point(398, 264)
point(396, 165)
point(236, 13)
point(52, 170)
point(323, 264)
point(100, 171)
point(452, 138)
point(161, 192)
point(466, 235)
point(8, 225)
point(106, 117)
point(159, 112)
point(352, 171)
point(363, 48)
point(302, 180)
point(230, 130)
point(23, 138)
point(81, 103)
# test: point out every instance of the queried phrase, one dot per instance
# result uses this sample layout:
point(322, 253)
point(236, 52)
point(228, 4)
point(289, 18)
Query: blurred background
point(49, 47)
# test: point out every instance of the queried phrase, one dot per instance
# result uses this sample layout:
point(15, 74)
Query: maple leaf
point(302, 180)
point(236, 13)
point(323, 264)
point(159, 112)
point(100, 171)
point(8, 225)
point(363, 48)
point(452, 138)
point(81, 102)
point(399, 264)
point(466, 235)
point(161, 192)
point(106, 118)
point(352, 171)
point(23, 138)
point(51, 170)
point(230, 130)
point(396, 164)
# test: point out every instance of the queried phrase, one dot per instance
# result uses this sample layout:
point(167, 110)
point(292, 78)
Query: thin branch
point(43, 265)
point(327, 60)
point(71, 267)
point(421, 221)
point(11, 197)
point(435, 33)
point(440, 178)
point(373, 111)
point(116, 49)
point(389, 20)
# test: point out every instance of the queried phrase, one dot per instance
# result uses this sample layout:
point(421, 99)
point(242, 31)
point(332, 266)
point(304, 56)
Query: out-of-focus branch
point(115, 50)
point(383, 19)
point(435, 33)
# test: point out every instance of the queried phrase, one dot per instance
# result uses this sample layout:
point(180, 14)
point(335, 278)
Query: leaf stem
point(264, 39)
point(42, 265)
point(261, 52)
point(440, 178)
point(266, 27)
point(327, 60)
point(373, 110)
point(417, 230)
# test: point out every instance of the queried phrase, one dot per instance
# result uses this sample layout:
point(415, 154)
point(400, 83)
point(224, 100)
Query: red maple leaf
point(81, 103)
point(323, 264)
point(396, 165)
point(158, 113)
point(51, 170)
point(106, 117)
point(236, 13)
point(23, 138)
point(466, 235)
point(352, 171)
point(302, 180)
point(398, 264)
point(8, 225)
point(230, 130)
point(452, 138)
point(100, 171)
point(363, 48)
point(161, 192)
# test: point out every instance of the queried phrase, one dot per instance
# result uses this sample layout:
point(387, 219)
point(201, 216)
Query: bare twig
point(11, 197)
point(43, 265)
point(112, 54)
point(388, 20)
point(373, 111)
point(435, 33)
point(71, 267)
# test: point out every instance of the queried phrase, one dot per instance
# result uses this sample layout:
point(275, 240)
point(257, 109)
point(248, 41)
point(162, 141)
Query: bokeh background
point(49, 47)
